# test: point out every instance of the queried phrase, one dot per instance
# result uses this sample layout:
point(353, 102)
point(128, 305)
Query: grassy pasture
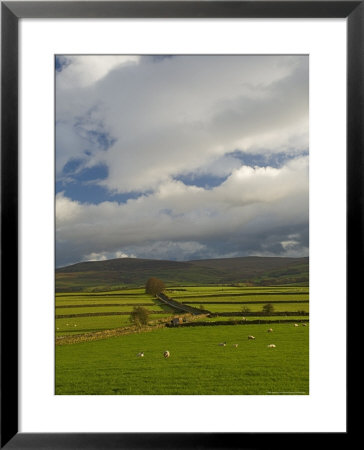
point(224, 290)
point(243, 299)
point(91, 303)
point(121, 292)
point(99, 310)
point(250, 318)
point(124, 300)
point(115, 298)
point(198, 365)
point(278, 307)
point(69, 302)
point(96, 323)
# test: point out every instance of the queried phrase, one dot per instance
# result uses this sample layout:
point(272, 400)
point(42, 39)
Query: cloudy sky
point(181, 157)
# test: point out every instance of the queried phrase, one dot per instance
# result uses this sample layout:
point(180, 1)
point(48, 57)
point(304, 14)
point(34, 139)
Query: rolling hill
point(133, 272)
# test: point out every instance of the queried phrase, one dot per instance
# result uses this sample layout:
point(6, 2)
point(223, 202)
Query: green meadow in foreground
point(197, 365)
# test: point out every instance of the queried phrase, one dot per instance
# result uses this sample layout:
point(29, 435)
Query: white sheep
point(296, 325)
point(271, 346)
point(304, 324)
point(166, 354)
point(140, 354)
point(251, 337)
point(222, 344)
point(270, 330)
point(235, 345)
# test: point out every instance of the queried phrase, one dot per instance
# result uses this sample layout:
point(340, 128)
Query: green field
point(198, 365)
point(113, 297)
point(122, 301)
point(281, 319)
point(78, 325)
point(201, 291)
point(278, 307)
point(103, 309)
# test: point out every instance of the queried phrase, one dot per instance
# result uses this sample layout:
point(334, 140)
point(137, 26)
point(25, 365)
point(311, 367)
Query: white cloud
point(103, 256)
point(84, 70)
point(183, 114)
point(152, 123)
point(187, 219)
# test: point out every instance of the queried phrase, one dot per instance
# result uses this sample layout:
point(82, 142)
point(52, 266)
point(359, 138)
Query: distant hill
point(133, 272)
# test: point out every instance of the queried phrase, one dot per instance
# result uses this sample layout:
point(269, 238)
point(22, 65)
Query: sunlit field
point(197, 365)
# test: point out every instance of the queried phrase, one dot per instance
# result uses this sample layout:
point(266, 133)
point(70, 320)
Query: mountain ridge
point(133, 272)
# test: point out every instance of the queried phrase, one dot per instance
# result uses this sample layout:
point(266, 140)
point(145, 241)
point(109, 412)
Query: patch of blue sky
point(81, 184)
point(92, 193)
point(205, 181)
point(275, 160)
point(73, 170)
point(99, 172)
point(61, 62)
point(72, 166)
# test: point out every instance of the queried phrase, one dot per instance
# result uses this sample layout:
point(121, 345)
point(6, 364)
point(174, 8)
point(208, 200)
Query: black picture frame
point(12, 11)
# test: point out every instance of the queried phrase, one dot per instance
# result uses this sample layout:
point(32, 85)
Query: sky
point(181, 157)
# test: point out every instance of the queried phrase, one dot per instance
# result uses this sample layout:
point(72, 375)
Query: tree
point(139, 316)
point(154, 286)
point(268, 308)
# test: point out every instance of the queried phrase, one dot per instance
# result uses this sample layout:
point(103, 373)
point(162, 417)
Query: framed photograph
point(181, 217)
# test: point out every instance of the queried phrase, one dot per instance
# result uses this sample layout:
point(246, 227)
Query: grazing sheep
point(222, 344)
point(271, 346)
point(235, 345)
point(251, 337)
point(270, 330)
point(296, 325)
point(304, 324)
point(140, 354)
point(166, 354)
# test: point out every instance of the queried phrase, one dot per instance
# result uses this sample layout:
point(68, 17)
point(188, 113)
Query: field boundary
point(108, 313)
point(259, 313)
point(244, 294)
point(103, 334)
point(97, 305)
point(245, 303)
point(236, 322)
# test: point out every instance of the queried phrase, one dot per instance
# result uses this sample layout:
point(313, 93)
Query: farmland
point(87, 312)
point(108, 364)
point(198, 365)
point(83, 313)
